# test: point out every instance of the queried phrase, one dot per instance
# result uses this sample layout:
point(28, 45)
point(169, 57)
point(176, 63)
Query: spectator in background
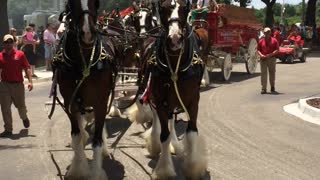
point(13, 32)
point(268, 48)
point(277, 35)
point(203, 6)
point(29, 36)
point(49, 43)
point(28, 49)
point(12, 63)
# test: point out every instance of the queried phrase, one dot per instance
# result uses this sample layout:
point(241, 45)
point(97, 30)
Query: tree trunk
point(310, 19)
point(243, 3)
point(269, 16)
point(4, 24)
point(269, 12)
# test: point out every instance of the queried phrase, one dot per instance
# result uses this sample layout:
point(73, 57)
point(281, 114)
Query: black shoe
point(26, 123)
point(35, 76)
point(263, 91)
point(273, 90)
point(6, 134)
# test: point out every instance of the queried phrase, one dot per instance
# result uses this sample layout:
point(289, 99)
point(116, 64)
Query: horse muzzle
point(175, 41)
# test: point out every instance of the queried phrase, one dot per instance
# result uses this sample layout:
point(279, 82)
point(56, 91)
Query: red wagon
point(233, 33)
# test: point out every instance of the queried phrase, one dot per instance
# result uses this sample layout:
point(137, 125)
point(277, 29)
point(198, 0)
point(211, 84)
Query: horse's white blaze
point(142, 20)
point(174, 30)
point(155, 19)
point(86, 26)
point(62, 26)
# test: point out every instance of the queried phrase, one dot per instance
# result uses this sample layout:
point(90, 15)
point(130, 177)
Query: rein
point(85, 72)
point(174, 78)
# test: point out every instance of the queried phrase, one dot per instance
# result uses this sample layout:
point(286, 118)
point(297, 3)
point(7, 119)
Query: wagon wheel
point(251, 56)
point(226, 67)
point(290, 59)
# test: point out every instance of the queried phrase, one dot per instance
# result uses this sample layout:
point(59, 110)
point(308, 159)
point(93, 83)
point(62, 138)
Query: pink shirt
point(30, 36)
point(49, 37)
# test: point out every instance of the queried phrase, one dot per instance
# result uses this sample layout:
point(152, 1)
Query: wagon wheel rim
point(251, 56)
point(227, 67)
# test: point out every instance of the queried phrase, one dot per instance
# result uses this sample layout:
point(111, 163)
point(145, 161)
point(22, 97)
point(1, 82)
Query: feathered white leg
point(97, 173)
point(114, 112)
point(205, 78)
point(104, 145)
point(164, 168)
point(195, 162)
point(79, 167)
point(175, 145)
point(152, 136)
point(82, 121)
point(140, 113)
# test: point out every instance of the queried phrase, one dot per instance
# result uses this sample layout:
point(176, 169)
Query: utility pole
point(303, 12)
point(282, 13)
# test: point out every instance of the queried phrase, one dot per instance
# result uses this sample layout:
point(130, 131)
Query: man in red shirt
point(268, 48)
point(12, 63)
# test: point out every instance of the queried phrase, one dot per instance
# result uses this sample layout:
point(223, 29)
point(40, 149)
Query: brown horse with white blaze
point(85, 75)
point(175, 83)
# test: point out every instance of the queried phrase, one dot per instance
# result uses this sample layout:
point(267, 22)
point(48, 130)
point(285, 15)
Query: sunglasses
point(8, 42)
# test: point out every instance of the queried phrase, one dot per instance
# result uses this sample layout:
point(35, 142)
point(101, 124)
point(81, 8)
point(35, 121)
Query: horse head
point(173, 17)
point(82, 18)
point(144, 21)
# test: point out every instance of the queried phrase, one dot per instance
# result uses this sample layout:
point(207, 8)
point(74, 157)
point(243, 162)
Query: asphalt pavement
point(42, 75)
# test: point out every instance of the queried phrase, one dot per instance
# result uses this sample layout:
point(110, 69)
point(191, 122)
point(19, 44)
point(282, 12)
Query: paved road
point(248, 135)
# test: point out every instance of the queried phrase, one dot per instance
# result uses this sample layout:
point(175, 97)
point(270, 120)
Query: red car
point(292, 49)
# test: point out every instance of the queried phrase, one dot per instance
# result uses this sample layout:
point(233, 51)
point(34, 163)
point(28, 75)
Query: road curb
point(305, 108)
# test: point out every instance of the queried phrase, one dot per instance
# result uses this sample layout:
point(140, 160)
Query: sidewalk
point(43, 75)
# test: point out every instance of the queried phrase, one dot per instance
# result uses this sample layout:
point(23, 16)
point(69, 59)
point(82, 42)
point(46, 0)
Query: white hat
point(266, 29)
point(7, 37)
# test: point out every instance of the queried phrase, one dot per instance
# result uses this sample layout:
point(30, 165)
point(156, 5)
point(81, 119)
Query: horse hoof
point(100, 175)
point(163, 176)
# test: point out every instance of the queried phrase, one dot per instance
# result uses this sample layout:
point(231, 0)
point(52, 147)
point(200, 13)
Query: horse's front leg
point(99, 144)
point(195, 162)
point(79, 167)
point(152, 136)
point(164, 168)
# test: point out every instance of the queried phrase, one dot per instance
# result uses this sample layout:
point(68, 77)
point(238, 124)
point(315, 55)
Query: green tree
point(4, 24)
point(269, 20)
point(290, 10)
point(277, 8)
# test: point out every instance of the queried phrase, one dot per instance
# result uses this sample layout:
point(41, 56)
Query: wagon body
point(233, 33)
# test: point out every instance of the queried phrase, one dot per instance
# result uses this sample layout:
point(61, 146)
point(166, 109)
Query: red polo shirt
point(12, 65)
point(268, 47)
